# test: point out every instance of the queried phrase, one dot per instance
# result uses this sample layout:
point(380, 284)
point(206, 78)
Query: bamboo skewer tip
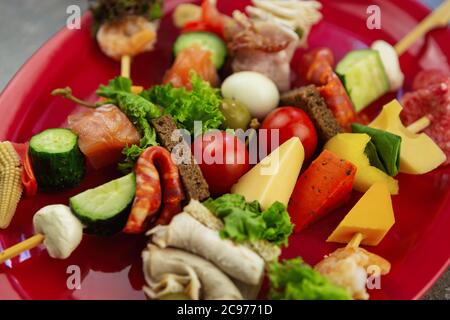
point(23, 246)
point(356, 240)
point(125, 66)
point(438, 18)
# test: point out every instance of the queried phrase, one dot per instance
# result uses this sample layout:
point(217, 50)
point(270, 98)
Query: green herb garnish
point(186, 106)
point(387, 147)
point(247, 222)
point(295, 280)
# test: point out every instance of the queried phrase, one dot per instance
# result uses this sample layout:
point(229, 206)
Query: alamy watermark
point(73, 281)
point(374, 19)
point(73, 21)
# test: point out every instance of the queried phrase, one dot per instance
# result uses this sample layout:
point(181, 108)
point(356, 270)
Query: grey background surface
point(26, 24)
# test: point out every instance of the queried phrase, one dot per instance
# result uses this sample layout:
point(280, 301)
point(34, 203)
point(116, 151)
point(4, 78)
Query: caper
point(236, 114)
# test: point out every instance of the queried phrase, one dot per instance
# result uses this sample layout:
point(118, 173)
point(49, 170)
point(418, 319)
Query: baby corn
point(10, 183)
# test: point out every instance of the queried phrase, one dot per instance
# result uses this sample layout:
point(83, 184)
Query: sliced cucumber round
point(104, 210)
point(363, 76)
point(56, 159)
point(207, 41)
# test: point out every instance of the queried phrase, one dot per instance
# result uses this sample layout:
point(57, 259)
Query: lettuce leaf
point(200, 104)
point(138, 110)
point(246, 222)
point(295, 280)
point(278, 224)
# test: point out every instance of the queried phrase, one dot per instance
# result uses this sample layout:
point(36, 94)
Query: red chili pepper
point(28, 179)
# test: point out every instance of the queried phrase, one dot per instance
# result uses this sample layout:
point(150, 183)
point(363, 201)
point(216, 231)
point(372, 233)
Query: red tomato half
point(292, 122)
point(223, 159)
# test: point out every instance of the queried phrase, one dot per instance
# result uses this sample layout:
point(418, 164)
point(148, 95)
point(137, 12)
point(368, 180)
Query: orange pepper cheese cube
point(372, 216)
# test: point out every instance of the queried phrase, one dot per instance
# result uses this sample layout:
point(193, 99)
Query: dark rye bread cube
point(309, 100)
point(194, 183)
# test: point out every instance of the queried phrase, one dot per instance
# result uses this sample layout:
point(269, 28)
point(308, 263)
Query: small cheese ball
point(62, 230)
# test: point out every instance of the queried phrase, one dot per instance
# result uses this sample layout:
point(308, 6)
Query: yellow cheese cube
point(372, 216)
point(418, 152)
point(274, 178)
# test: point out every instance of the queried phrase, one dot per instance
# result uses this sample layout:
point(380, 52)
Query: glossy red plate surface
point(418, 245)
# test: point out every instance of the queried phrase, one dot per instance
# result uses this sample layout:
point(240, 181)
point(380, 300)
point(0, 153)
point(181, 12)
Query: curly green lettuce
point(140, 112)
point(295, 280)
point(186, 106)
point(245, 221)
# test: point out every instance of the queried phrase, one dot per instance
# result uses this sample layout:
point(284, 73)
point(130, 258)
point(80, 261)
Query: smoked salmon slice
point(102, 134)
point(192, 59)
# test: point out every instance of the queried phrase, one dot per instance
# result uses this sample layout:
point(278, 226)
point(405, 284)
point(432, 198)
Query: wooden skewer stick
point(25, 245)
point(356, 240)
point(125, 66)
point(438, 18)
point(419, 125)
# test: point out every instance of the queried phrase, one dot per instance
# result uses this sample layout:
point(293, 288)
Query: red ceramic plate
point(418, 246)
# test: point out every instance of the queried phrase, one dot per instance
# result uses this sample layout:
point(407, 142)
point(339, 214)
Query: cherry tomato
point(291, 122)
point(223, 159)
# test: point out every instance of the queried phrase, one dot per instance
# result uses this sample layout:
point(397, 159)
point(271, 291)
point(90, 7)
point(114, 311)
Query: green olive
point(175, 296)
point(236, 114)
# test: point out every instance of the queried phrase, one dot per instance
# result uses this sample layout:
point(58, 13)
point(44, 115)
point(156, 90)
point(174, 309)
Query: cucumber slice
point(207, 41)
point(56, 159)
point(104, 210)
point(364, 77)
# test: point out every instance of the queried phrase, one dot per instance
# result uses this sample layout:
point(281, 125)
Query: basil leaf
point(374, 159)
point(387, 146)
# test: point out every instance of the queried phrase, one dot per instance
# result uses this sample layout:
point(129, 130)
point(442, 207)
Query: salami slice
point(431, 99)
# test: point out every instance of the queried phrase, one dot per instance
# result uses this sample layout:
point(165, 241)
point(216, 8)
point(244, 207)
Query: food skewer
point(435, 19)
point(438, 18)
point(380, 63)
point(56, 227)
point(124, 31)
point(369, 220)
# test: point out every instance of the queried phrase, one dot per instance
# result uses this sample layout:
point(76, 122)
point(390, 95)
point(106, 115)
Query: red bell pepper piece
point(28, 179)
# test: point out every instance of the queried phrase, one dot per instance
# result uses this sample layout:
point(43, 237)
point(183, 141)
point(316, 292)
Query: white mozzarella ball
point(62, 230)
point(256, 91)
